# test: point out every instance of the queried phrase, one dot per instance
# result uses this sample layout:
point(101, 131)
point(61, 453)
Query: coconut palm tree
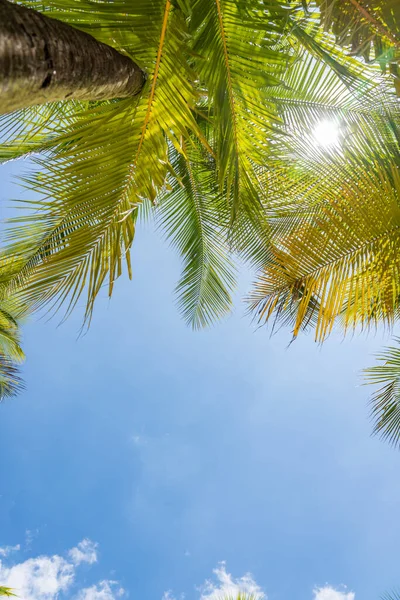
point(218, 141)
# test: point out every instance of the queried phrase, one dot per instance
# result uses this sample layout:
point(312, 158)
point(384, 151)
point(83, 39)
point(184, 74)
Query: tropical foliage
point(10, 352)
point(370, 29)
point(6, 591)
point(220, 146)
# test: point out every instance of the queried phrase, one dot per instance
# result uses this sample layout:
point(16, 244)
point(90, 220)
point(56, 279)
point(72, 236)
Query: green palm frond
point(225, 122)
point(11, 383)
point(11, 353)
point(6, 591)
point(105, 163)
point(194, 217)
point(369, 30)
point(235, 57)
point(385, 401)
point(31, 130)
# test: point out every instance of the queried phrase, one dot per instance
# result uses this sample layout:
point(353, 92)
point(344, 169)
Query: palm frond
point(371, 31)
point(235, 57)
point(385, 402)
point(32, 129)
point(11, 383)
point(392, 595)
point(103, 165)
point(11, 353)
point(6, 591)
point(195, 219)
point(339, 259)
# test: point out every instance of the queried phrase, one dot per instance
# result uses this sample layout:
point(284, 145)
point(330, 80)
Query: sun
point(326, 133)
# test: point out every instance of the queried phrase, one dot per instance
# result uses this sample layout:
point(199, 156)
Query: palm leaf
point(11, 383)
point(385, 401)
point(103, 165)
point(195, 219)
point(6, 591)
point(338, 259)
point(236, 61)
point(11, 353)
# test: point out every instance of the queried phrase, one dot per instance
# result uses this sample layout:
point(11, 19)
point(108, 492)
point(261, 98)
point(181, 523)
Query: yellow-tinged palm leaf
point(245, 69)
point(339, 259)
point(6, 591)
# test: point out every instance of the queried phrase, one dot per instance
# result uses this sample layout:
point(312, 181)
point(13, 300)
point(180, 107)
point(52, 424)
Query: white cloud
point(46, 577)
point(223, 585)
point(104, 590)
point(226, 585)
point(6, 550)
point(329, 593)
point(43, 577)
point(85, 551)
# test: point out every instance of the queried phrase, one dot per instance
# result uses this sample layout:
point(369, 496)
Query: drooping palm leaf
point(235, 57)
point(259, 76)
point(105, 162)
point(194, 216)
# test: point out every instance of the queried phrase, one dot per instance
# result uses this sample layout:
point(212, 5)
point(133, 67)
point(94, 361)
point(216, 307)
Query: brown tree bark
point(44, 60)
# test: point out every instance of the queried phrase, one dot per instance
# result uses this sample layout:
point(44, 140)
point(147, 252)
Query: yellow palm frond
point(338, 260)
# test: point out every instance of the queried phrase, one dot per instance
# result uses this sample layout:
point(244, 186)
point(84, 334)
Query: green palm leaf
point(105, 163)
point(194, 217)
point(6, 591)
point(235, 57)
point(11, 353)
point(385, 401)
point(371, 31)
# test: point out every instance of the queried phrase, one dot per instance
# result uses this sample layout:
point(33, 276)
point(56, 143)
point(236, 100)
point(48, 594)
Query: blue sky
point(181, 457)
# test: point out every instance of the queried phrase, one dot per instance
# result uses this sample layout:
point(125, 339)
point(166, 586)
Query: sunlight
point(326, 133)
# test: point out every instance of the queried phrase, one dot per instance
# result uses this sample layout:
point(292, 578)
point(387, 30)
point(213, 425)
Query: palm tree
point(219, 143)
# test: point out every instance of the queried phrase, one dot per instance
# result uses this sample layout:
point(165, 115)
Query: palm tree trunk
point(44, 60)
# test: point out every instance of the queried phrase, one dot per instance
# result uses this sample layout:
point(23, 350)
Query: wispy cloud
point(85, 551)
point(30, 535)
point(168, 595)
point(46, 577)
point(7, 550)
point(104, 590)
